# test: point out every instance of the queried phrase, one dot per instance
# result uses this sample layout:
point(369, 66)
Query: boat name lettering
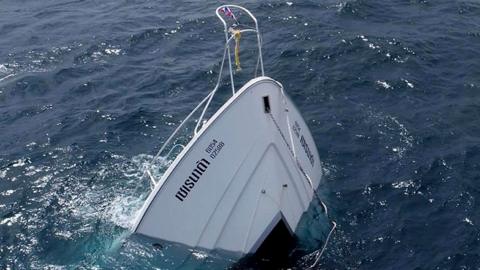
point(296, 129)
point(189, 183)
point(307, 150)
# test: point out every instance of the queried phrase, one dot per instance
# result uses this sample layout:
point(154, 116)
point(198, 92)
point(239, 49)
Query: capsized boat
point(249, 167)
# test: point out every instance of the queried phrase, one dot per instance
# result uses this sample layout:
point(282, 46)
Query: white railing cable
point(173, 148)
point(167, 142)
point(212, 93)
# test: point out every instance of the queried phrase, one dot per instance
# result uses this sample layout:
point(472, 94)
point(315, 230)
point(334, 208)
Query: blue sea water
point(390, 89)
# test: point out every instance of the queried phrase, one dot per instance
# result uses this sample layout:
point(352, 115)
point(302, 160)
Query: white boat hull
point(244, 171)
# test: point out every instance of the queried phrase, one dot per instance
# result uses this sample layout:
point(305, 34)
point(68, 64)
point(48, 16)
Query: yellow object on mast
point(237, 35)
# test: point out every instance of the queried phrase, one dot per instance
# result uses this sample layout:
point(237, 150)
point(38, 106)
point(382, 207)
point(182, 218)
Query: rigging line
point(258, 57)
point(319, 255)
point(324, 206)
point(207, 99)
point(281, 133)
point(291, 152)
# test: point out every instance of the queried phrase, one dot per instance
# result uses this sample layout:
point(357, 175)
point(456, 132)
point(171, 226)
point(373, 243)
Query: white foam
point(408, 187)
point(31, 144)
point(19, 163)
point(3, 173)
point(467, 220)
point(113, 51)
point(120, 203)
point(64, 234)
point(383, 84)
point(11, 220)
point(409, 84)
point(123, 210)
point(199, 255)
point(403, 184)
point(340, 6)
point(7, 192)
point(3, 68)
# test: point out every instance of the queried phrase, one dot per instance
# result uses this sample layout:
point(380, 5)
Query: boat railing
point(222, 12)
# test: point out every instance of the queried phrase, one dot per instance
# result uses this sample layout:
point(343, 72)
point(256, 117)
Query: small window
point(266, 104)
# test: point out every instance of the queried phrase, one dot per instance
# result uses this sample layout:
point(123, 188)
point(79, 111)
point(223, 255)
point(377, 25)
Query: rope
point(334, 225)
point(319, 255)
